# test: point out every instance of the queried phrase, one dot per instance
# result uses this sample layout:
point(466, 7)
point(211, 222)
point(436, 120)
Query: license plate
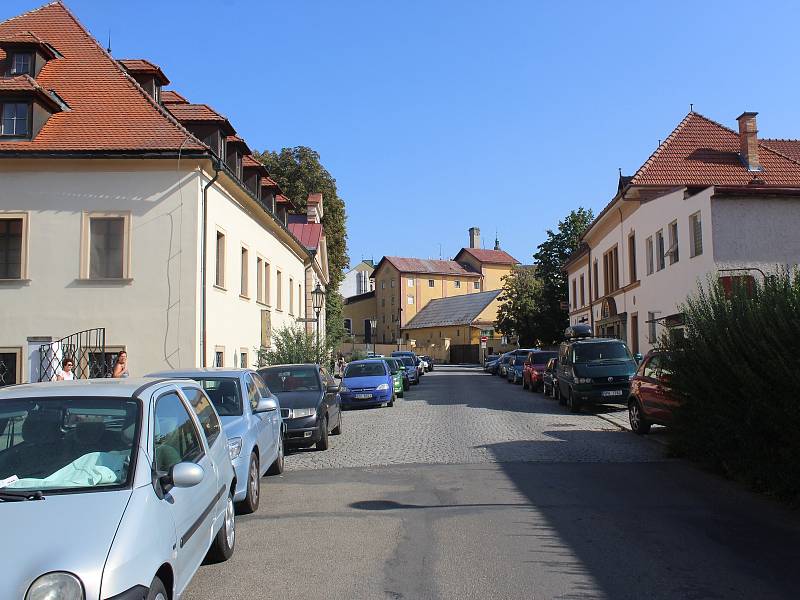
point(612, 393)
point(363, 396)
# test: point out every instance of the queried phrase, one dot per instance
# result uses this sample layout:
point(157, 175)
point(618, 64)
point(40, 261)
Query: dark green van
point(593, 370)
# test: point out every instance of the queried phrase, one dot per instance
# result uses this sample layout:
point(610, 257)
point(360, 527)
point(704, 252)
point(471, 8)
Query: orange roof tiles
point(433, 267)
point(790, 148)
point(108, 112)
point(497, 257)
point(140, 65)
point(172, 97)
point(702, 152)
point(18, 83)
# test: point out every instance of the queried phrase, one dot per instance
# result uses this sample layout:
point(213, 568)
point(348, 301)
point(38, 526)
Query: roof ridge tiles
point(34, 10)
point(658, 151)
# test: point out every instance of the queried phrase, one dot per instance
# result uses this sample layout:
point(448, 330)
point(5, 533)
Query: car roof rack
point(578, 331)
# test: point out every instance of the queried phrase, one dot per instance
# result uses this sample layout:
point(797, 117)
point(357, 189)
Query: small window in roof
point(21, 63)
point(15, 119)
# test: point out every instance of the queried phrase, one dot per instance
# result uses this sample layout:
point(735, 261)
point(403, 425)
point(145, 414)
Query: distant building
point(358, 280)
point(709, 202)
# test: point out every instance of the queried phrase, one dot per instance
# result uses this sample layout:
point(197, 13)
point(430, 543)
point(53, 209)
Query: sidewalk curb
point(626, 427)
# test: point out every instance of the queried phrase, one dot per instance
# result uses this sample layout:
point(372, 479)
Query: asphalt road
point(473, 488)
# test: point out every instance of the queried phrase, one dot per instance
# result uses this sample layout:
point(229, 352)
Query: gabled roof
point(270, 184)
point(140, 65)
point(28, 38)
point(281, 199)
point(172, 97)
point(455, 310)
point(790, 148)
point(309, 234)
point(25, 84)
point(426, 266)
point(235, 139)
point(701, 152)
point(493, 257)
point(109, 111)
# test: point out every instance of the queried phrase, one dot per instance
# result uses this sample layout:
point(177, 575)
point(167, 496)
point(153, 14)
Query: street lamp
point(373, 326)
point(317, 301)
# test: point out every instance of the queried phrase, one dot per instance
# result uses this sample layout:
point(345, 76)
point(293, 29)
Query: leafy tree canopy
point(519, 299)
point(299, 172)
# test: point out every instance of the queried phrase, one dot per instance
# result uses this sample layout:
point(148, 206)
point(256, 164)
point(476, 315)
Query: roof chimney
point(748, 141)
point(474, 237)
point(314, 208)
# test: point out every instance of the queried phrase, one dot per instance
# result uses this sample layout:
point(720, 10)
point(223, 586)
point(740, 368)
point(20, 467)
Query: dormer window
point(22, 63)
point(16, 118)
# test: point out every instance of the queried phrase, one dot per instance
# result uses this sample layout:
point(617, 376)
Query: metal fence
point(86, 349)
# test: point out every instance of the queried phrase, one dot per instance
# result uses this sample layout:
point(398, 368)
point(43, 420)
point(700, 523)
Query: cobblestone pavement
point(459, 415)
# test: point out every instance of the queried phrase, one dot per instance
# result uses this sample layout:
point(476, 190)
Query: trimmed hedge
point(737, 372)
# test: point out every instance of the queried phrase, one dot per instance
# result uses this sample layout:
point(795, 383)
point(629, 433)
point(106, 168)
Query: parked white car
point(111, 488)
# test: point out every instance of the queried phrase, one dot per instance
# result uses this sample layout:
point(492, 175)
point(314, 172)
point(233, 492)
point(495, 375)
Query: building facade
point(710, 204)
point(358, 280)
point(129, 211)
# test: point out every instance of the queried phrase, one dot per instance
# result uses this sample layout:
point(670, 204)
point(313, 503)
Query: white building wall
point(152, 314)
point(233, 321)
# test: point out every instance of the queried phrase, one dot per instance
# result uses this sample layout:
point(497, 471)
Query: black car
point(428, 361)
point(310, 403)
point(549, 377)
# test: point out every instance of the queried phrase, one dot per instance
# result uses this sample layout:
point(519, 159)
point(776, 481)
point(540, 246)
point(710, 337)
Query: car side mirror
point(638, 358)
point(333, 388)
point(184, 475)
point(266, 405)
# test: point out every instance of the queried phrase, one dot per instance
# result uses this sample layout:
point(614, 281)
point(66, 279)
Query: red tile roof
point(140, 65)
point(309, 234)
point(172, 97)
point(19, 83)
point(495, 257)
point(249, 161)
point(790, 148)
point(702, 152)
point(432, 267)
point(28, 38)
point(269, 182)
point(109, 111)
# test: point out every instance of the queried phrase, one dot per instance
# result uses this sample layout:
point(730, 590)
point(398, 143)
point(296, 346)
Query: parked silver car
point(111, 488)
point(252, 421)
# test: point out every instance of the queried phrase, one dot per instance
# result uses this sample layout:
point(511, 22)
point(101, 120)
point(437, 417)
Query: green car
point(396, 367)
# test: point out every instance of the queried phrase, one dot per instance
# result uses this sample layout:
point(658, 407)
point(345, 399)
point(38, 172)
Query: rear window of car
point(601, 351)
point(225, 394)
point(541, 358)
point(365, 369)
point(408, 361)
point(290, 379)
point(394, 367)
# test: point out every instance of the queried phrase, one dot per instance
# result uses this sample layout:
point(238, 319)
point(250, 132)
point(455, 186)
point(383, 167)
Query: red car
point(533, 369)
point(651, 401)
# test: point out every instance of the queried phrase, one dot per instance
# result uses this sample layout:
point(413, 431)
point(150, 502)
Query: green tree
point(518, 301)
point(299, 172)
point(291, 344)
point(549, 318)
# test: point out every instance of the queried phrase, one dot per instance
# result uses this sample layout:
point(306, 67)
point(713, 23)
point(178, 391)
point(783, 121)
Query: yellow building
point(358, 311)
point(404, 286)
point(450, 329)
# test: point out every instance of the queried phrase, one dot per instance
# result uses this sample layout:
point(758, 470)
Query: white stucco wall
point(234, 322)
point(153, 314)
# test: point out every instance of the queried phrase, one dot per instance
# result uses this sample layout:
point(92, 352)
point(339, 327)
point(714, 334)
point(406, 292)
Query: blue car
point(515, 368)
point(251, 418)
point(367, 383)
point(411, 367)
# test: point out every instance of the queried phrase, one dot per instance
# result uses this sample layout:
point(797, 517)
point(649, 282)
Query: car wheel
point(323, 444)
point(572, 404)
point(250, 503)
point(225, 540)
point(639, 424)
point(338, 429)
point(558, 395)
point(406, 386)
point(157, 590)
point(391, 402)
point(276, 468)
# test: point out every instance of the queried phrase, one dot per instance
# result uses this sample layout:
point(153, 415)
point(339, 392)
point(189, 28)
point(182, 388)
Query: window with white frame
point(245, 278)
point(476, 285)
point(15, 120)
point(695, 235)
point(411, 299)
point(22, 63)
point(660, 250)
point(648, 244)
point(410, 282)
point(12, 245)
point(673, 243)
point(259, 279)
point(219, 277)
point(267, 283)
point(106, 245)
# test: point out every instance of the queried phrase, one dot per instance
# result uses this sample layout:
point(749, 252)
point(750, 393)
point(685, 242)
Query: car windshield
point(541, 358)
point(67, 443)
point(291, 379)
point(408, 361)
point(225, 394)
point(365, 369)
point(601, 351)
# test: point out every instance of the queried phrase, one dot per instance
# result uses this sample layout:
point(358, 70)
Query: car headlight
point(382, 387)
point(343, 388)
point(583, 380)
point(298, 413)
point(56, 586)
point(234, 447)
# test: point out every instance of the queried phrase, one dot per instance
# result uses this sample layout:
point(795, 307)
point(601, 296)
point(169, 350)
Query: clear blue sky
point(438, 115)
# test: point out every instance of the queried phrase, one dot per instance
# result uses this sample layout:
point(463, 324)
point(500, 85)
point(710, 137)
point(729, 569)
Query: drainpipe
point(204, 244)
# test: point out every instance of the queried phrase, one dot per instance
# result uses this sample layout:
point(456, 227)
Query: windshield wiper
point(21, 495)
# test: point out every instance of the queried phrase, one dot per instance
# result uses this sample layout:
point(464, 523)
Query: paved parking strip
point(474, 488)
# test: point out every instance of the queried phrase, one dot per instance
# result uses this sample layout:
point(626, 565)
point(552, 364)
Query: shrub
point(737, 374)
point(292, 344)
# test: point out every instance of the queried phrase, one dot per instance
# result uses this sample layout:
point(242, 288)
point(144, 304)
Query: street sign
point(483, 344)
point(484, 339)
